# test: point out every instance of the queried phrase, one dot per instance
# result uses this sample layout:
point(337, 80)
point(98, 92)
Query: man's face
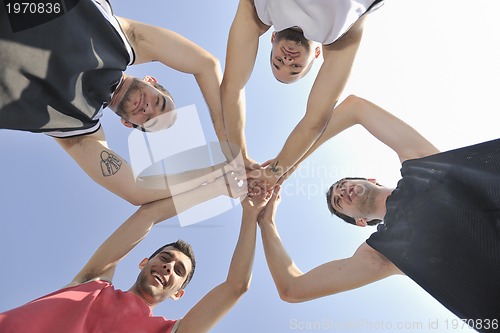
point(291, 55)
point(139, 102)
point(163, 275)
point(354, 198)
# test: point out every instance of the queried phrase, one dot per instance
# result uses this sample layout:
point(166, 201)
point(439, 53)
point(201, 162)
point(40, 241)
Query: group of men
point(446, 237)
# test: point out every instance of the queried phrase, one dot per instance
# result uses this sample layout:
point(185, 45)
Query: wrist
point(265, 224)
point(276, 170)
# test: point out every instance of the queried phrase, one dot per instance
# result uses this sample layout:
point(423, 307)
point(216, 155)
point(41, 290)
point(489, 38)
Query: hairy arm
point(103, 263)
point(171, 49)
point(242, 46)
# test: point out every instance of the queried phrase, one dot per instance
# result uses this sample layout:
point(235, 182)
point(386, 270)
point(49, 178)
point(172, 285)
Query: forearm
point(137, 226)
point(240, 269)
point(282, 268)
point(184, 181)
point(209, 80)
point(211, 308)
point(234, 113)
point(342, 117)
point(300, 141)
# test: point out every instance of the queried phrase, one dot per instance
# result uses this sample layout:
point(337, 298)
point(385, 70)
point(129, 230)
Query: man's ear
point(127, 123)
point(143, 263)
point(150, 79)
point(372, 180)
point(317, 52)
point(178, 295)
point(361, 222)
point(273, 35)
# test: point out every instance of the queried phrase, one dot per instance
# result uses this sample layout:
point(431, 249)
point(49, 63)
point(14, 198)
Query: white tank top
point(322, 21)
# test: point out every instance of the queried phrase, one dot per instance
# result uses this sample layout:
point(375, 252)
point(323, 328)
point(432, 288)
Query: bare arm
point(103, 263)
point(406, 142)
point(364, 267)
point(209, 310)
point(171, 49)
point(327, 88)
point(242, 46)
point(111, 171)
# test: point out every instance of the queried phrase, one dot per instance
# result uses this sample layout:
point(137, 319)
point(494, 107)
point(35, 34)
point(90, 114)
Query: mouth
point(159, 278)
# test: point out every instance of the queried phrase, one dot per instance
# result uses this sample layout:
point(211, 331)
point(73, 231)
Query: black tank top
point(442, 228)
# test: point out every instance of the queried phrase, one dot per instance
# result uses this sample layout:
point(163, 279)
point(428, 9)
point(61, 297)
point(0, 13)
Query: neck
point(118, 93)
point(381, 199)
point(134, 290)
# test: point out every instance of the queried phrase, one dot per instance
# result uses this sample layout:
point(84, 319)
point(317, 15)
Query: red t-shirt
point(93, 307)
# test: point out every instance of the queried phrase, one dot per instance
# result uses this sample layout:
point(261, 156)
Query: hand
point(256, 202)
point(251, 164)
point(268, 214)
point(262, 179)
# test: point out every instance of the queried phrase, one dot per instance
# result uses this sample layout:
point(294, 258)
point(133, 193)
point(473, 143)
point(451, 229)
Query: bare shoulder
point(372, 257)
point(352, 36)
point(248, 13)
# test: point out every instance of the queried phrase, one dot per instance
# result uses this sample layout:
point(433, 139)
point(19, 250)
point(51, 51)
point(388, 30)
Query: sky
point(433, 64)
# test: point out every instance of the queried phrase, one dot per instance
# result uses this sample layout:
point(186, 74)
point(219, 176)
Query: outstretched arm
point(364, 267)
point(406, 142)
point(242, 45)
point(327, 88)
point(158, 44)
point(207, 312)
point(103, 263)
point(111, 171)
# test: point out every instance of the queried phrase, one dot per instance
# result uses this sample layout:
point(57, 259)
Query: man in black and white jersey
point(58, 74)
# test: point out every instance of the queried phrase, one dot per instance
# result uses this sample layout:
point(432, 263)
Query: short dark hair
point(344, 217)
point(185, 248)
point(162, 89)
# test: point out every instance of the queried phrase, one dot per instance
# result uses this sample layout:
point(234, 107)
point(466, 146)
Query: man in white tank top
point(304, 29)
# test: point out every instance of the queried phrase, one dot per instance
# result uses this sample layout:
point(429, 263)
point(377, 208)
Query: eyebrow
point(164, 103)
point(332, 197)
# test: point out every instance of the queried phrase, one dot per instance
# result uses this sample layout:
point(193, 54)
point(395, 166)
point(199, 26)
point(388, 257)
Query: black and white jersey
point(56, 76)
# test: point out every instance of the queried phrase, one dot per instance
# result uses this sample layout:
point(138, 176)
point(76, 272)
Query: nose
point(287, 59)
point(147, 109)
point(168, 267)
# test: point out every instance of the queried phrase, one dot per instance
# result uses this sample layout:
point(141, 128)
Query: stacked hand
point(264, 204)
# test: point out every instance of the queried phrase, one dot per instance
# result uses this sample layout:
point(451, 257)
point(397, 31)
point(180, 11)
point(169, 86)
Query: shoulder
point(372, 257)
point(98, 281)
point(248, 13)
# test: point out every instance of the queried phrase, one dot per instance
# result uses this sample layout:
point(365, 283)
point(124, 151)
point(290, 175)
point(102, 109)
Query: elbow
point(238, 289)
point(289, 295)
point(135, 201)
point(211, 64)
point(355, 104)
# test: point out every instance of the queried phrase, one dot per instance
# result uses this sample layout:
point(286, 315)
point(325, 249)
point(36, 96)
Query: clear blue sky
point(432, 63)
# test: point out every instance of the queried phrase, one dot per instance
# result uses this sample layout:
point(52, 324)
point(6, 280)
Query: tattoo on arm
point(110, 164)
point(274, 167)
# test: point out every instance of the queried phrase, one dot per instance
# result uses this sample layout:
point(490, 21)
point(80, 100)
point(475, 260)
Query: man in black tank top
point(441, 224)
point(61, 68)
